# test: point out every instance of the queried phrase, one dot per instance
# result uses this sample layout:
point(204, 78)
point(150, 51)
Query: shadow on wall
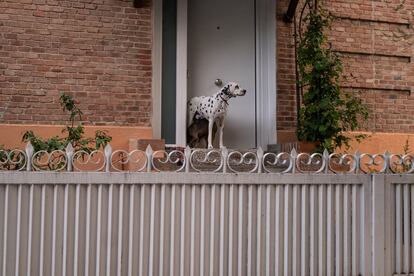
point(142, 4)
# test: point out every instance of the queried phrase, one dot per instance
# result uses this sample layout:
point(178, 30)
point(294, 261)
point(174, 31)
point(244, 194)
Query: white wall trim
point(266, 72)
point(181, 98)
point(156, 86)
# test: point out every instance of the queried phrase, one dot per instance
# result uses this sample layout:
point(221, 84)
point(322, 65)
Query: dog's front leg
point(220, 123)
point(210, 132)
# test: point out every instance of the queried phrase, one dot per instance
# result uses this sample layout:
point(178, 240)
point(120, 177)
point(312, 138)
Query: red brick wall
point(376, 41)
point(100, 52)
point(285, 62)
point(96, 50)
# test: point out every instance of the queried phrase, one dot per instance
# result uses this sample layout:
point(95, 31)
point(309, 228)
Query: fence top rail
point(185, 160)
point(178, 178)
point(398, 178)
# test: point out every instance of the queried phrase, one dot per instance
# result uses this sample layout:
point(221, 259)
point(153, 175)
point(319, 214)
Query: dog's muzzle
point(243, 92)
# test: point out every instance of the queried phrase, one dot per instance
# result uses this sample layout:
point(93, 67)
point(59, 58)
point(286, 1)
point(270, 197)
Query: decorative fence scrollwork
point(91, 161)
point(56, 160)
point(310, 163)
point(401, 163)
point(283, 160)
point(162, 160)
point(244, 162)
point(136, 160)
point(342, 163)
point(13, 160)
point(204, 160)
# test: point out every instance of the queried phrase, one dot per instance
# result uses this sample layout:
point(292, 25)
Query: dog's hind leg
point(191, 112)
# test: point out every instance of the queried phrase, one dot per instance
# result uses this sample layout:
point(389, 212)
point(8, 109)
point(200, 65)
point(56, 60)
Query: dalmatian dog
point(214, 108)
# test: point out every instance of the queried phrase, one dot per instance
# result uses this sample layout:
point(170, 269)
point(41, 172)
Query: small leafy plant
point(74, 133)
point(327, 112)
point(408, 162)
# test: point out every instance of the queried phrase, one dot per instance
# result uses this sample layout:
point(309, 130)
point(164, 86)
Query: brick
point(101, 52)
point(52, 46)
point(375, 59)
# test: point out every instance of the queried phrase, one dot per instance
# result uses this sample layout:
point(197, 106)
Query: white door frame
point(181, 91)
point(265, 71)
point(156, 81)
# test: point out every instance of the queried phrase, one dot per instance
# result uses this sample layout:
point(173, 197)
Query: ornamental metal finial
point(29, 153)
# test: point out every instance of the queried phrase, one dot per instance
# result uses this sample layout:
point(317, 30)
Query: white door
point(221, 45)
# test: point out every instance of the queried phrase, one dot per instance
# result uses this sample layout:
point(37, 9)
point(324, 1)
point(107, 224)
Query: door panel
point(221, 44)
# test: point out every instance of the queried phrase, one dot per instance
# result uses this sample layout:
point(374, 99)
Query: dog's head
point(233, 89)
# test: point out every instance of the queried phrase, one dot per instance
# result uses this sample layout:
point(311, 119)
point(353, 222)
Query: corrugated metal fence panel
point(176, 229)
point(393, 224)
point(402, 207)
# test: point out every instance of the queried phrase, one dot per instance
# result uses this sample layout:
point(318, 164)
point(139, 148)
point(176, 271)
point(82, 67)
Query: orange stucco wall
point(376, 142)
point(381, 142)
point(11, 135)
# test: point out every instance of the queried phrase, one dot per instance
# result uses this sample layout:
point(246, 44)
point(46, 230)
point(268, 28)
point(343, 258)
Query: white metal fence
point(205, 212)
point(90, 223)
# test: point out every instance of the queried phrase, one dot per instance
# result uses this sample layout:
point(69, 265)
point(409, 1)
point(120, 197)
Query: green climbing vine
point(327, 112)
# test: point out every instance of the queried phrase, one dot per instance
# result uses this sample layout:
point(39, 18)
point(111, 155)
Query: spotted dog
point(214, 108)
